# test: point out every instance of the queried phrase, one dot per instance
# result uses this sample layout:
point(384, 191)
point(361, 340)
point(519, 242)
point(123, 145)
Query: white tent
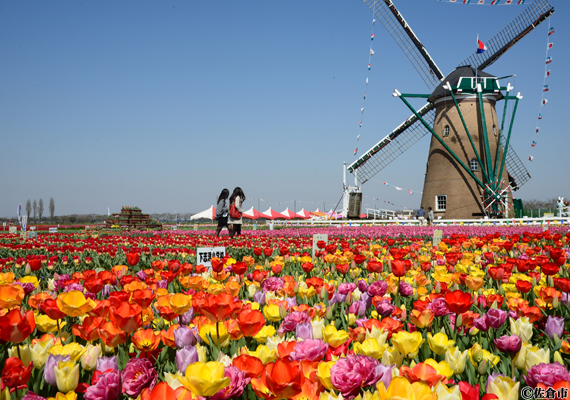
point(210, 213)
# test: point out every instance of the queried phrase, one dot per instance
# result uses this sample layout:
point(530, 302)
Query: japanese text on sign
point(205, 254)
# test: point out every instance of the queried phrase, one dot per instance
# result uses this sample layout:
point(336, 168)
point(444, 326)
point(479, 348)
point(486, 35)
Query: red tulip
point(257, 251)
point(268, 251)
point(15, 374)
point(458, 302)
point(523, 286)
point(307, 267)
point(15, 327)
point(49, 307)
point(239, 268)
point(133, 258)
point(398, 268)
point(468, 392)
point(549, 269)
point(35, 264)
point(217, 264)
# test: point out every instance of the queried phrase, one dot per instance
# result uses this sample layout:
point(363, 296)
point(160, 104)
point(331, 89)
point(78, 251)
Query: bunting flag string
point(370, 54)
point(387, 202)
point(410, 191)
point(545, 87)
point(487, 2)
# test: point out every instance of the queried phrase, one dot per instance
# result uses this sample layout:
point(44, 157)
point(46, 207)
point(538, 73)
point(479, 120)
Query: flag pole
point(476, 66)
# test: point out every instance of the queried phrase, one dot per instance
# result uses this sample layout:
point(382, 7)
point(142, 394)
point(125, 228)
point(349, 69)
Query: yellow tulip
point(439, 343)
point(89, 358)
point(473, 283)
point(392, 356)
point(30, 279)
point(442, 367)
point(504, 388)
point(369, 347)
point(180, 303)
point(407, 343)
point(46, 324)
point(25, 353)
point(173, 380)
point(536, 355)
point(205, 379)
point(445, 393)
point(379, 334)
point(66, 376)
point(272, 313)
point(202, 354)
point(5, 394)
point(334, 337)
point(73, 350)
point(74, 303)
point(324, 374)
point(456, 359)
point(401, 388)
point(522, 328)
point(264, 354)
point(264, 333)
point(224, 337)
point(60, 396)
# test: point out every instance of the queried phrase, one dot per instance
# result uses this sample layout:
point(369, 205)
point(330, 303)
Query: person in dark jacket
point(237, 198)
point(222, 212)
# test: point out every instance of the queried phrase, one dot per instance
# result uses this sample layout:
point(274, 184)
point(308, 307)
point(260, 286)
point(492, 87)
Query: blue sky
point(163, 104)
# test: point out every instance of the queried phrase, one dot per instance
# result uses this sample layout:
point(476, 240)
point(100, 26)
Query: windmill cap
point(465, 71)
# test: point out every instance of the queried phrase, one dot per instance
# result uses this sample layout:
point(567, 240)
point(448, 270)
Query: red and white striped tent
point(290, 214)
point(210, 213)
point(304, 214)
point(252, 213)
point(272, 214)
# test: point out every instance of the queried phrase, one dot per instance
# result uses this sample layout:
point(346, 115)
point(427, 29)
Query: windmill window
point(441, 202)
point(494, 130)
point(474, 164)
point(446, 131)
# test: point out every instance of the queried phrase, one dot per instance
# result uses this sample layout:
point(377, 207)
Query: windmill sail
point(411, 131)
point(402, 33)
point(535, 14)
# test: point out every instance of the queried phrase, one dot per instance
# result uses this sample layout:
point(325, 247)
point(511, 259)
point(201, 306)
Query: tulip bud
point(351, 319)
point(533, 281)
point(558, 357)
point(550, 281)
point(330, 312)
point(501, 290)
point(349, 300)
point(442, 330)
point(374, 314)
point(25, 352)
point(415, 296)
point(473, 331)
point(555, 302)
point(282, 311)
point(482, 369)
point(89, 358)
point(107, 349)
point(438, 288)
point(556, 339)
point(494, 305)
point(202, 356)
point(477, 353)
point(412, 364)
point(324, 293)
point(458, 321)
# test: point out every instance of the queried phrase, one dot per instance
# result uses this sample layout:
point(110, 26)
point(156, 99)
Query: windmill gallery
point(472, 168)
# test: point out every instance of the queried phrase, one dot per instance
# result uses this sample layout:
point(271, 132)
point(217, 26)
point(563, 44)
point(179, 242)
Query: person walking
point(236, 199)
point(421, 215)
point(430, 216)
point(222, 212)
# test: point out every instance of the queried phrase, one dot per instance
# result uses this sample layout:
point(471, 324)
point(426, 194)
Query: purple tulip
point(377, 288)
point(406, 289)
point(259, 298)
point(184, 336)
point(548, 374)
point(385, 308)
point(481, 324)
point(496, 318)
point(337, 298)
point(185, 357)
point(108, 387)
point(304, 331)
point(346, 288)
point(236, 387)
point(138, 375)
point(51, 363)
point(104, 363)
point(385, 372)
point(310, 349)
point(554, 326)
point(187, 317)
point(362, 286)
point(357, 308)
point(509, 344)
point(142, 275)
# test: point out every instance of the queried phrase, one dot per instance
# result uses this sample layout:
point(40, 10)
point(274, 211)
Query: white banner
point(205, 254)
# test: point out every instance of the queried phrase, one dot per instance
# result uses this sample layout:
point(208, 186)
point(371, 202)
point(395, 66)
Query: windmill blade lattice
point(517, 170)
point(536, 13)
point(398, 28)
point(393, 145)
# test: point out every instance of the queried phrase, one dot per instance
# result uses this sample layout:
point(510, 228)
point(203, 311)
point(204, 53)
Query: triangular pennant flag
point(544, 102)
point(547, 73)
point(540, 116)
point(355, 151)
point(530, 158)
point(362, 110)
point(533, 143)
point(397, 188)
point(358, 138)
point(410, 191)
point(364, 95)
point(550, 45)
point(545, 89)
point(537, 129)
point(551, 31)
point(371, 52)
point(369, 66)
point(373, 21)
point(360, 125)
point(548, 60)
point(386, 183)
point(372, 37)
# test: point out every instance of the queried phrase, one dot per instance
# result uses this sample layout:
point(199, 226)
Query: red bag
point(234, 213)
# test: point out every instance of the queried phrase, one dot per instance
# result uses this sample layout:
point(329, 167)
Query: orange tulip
point(286, 348)
point(88, 330)
point(423, 372)
point(217, 307)
point(15, 327)
point(143, 297)
point(252, 366)
point(127, 317)
point(11, 296)
point(251, 322)
point(233, 328)
point(180, 303)
point(168, 336)
point(34, 301)
point(111, 335)
point(101, 309)
point(146, 340)
point(468, 318)
point(284, 378)
point(422, 319)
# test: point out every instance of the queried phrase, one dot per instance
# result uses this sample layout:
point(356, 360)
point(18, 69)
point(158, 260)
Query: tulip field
point(376, 313)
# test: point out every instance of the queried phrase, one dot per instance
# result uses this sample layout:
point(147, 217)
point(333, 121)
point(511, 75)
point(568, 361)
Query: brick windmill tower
point(472, 168)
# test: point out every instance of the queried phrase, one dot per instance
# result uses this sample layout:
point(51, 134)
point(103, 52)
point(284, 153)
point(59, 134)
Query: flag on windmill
point(544, 102)
point(533, 143)
point(372, 37)
point(547, 74)
point(551, 31)
point(539, 115)
point(481, 48)
point(530, 158)
point(369, 66)
point(548, 60)
point(537, 129)
point(550, 45)
point(371, 52)
point(545, 89)
point(355, 151)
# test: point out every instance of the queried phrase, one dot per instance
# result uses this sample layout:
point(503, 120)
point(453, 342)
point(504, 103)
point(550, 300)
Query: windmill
point(471, 172)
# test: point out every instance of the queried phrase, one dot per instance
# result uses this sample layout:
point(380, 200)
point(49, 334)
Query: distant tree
point(536, 204)
point(28, 208)
point(41, 209)
point(51, 208)
point(72, 218)
point(35, 206)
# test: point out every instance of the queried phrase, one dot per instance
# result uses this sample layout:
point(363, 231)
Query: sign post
point(317, 238)
point(205, 254)
point(437, 236)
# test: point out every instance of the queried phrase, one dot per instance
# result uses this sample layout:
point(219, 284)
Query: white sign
point(205, 254)
point(317, 238)
point(13, 229)
point(437, 235)
point(24, 222)
point(271, 225)
point(52, 230)
point(195, 227)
